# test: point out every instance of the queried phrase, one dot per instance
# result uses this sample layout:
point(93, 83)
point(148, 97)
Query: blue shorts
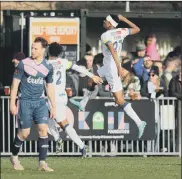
point(29, 111)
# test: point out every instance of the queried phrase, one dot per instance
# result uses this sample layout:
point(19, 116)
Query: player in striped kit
point(28, 81)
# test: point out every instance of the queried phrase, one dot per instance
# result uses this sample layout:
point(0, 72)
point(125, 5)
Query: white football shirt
point(59, 76)
point(116, 36)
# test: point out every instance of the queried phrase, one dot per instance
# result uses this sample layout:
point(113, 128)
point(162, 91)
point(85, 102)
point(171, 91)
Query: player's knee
point(42, 131)
point(24, 134)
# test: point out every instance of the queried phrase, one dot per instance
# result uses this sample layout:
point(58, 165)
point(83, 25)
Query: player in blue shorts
point(28, 81)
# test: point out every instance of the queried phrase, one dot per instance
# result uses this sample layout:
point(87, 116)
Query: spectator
point(131, 83)
point(155, 86)
point(175, 86)
point(125, 60)
point(141, 68)
point(70, 84)
point(84, 80)
point(151, 49)
point(98, 60)
point(172, 66)
point(159, 64)
point(140, 50)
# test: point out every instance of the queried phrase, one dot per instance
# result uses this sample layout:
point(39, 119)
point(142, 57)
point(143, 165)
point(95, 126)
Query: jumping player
point(112, 41)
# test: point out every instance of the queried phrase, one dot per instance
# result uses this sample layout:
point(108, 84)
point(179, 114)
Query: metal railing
point(167, 131)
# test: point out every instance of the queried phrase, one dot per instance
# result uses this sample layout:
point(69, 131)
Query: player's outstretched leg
point(87, 96)
point(70, 131)
point(130, 112)
point(82, 104)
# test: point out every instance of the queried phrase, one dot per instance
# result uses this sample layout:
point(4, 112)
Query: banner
point(64, 31)
point(102, 119)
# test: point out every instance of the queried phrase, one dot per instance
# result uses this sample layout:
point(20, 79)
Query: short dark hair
point(115, 18)
point(98, 59)
point(55, 49)
point(19, 56)
point(43, 41)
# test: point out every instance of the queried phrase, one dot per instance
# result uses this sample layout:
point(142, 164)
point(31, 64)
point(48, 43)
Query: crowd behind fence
point(167, 135)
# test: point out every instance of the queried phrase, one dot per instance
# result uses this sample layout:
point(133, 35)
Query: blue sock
point(43, 147)
point(16, 145)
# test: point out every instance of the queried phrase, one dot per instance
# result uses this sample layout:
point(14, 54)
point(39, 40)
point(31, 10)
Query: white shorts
point(61, 103)
point(111, 75)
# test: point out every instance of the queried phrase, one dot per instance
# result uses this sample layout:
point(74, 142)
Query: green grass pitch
point(97, 168)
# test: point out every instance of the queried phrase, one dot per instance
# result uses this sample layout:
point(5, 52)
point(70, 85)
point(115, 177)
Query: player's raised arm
point(79, 69)
point(134, 28)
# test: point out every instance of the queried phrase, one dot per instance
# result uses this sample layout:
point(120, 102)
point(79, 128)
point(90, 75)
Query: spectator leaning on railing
point(154, 87)
point(175, 86)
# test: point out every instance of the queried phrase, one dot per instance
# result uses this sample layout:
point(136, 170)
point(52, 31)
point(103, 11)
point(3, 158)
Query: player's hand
point(53, 113)
point(13, 109)
point(121, 18)
point(97, 79)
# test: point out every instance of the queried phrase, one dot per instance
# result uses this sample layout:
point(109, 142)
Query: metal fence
point(167, 130)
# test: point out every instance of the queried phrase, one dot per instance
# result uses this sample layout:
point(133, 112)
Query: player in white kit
point(112, 41)
point(59, 80)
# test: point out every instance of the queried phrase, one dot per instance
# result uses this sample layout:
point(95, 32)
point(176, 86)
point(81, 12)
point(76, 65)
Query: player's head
point(38, 47)
point(55, 49)
point(111, 22)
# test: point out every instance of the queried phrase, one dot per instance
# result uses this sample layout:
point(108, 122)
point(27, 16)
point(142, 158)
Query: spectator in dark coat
point(175, 86)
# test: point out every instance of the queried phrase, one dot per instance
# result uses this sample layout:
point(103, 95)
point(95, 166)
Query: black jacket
point(144, 90)
point(175, 88)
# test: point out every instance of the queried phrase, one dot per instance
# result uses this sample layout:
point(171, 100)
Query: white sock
point(132, 114)
point(52, 129)
point(87, 95)
point(85, 99)
point(74, 136)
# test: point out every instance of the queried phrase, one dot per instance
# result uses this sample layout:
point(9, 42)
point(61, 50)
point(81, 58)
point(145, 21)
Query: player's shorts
point(29, 111)
point(61, 103)
point(111, 75)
